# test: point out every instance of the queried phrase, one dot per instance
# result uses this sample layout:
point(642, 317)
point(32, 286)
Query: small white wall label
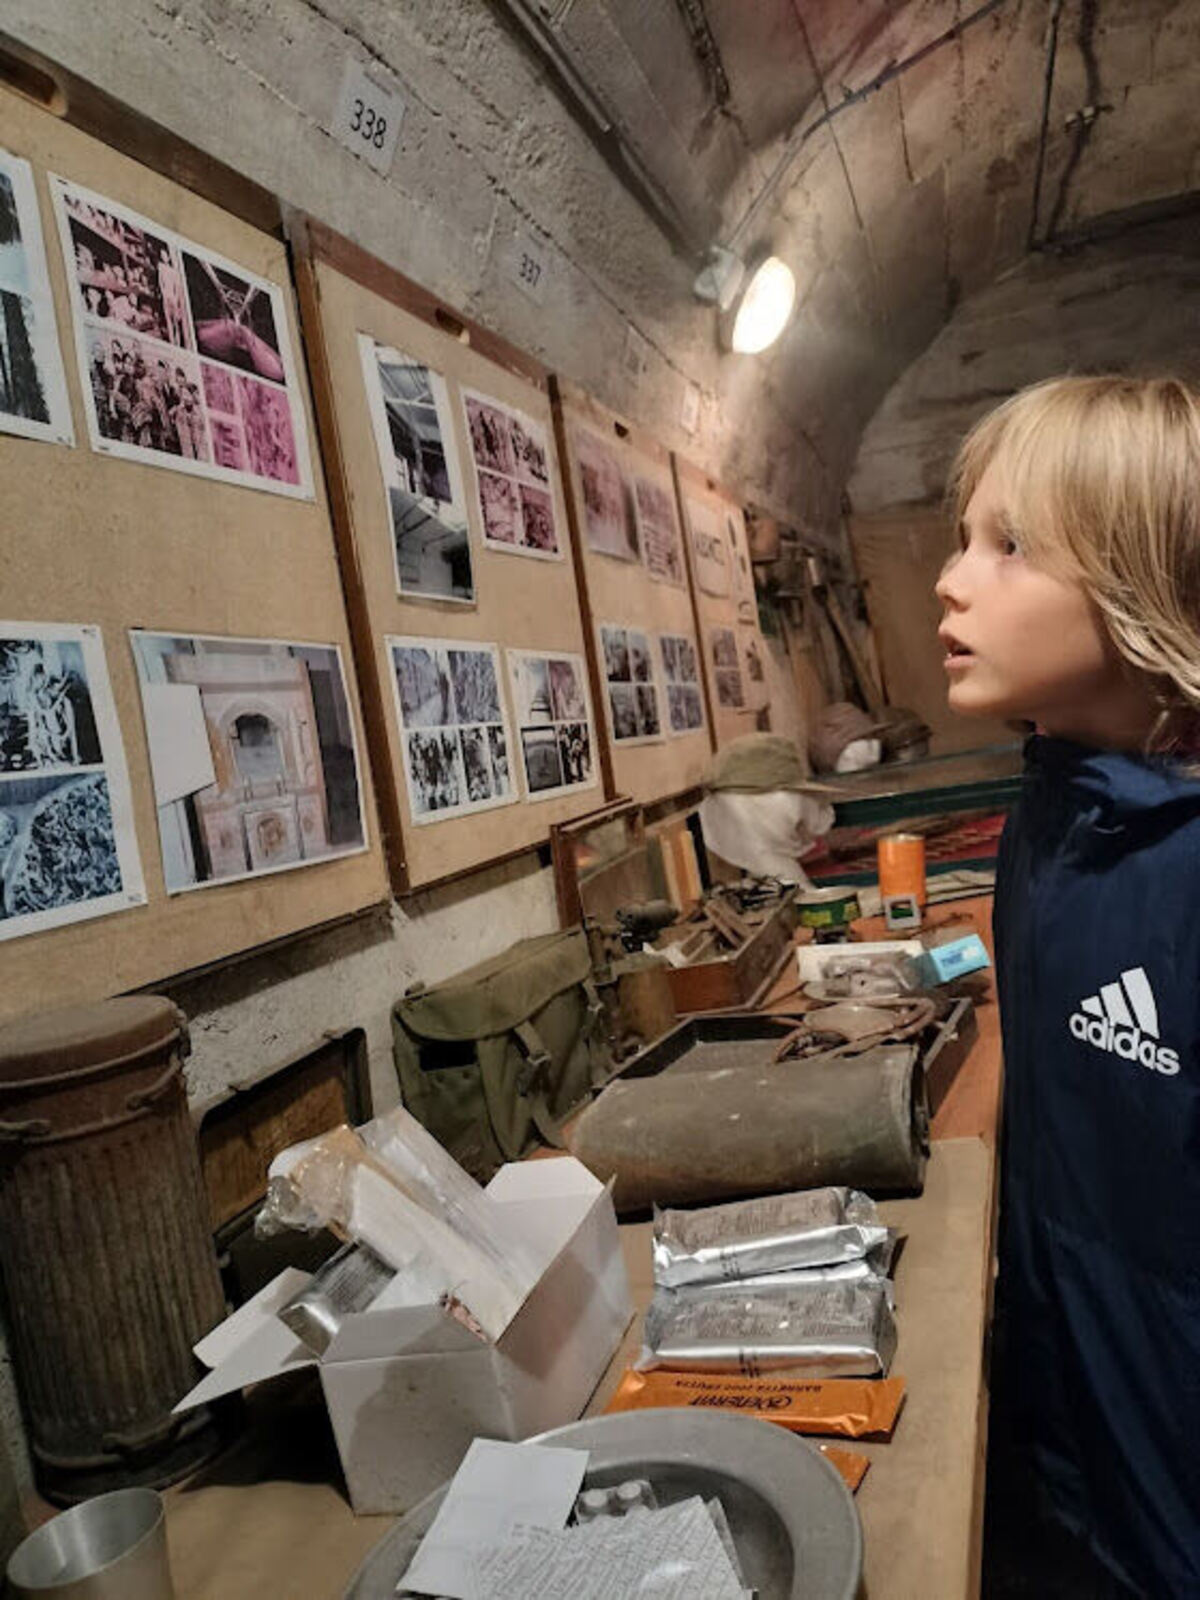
point(367, 116)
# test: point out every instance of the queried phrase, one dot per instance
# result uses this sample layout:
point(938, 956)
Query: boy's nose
point(950, 588)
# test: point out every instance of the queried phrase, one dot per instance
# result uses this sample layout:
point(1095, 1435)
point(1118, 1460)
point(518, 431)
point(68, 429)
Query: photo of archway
point(253, 755)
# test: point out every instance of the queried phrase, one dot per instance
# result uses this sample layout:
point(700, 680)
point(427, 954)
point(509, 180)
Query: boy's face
point(1024, 643)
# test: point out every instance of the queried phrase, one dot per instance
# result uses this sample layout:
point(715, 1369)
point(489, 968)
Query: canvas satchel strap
point(532, 1082)
point(600, 1069)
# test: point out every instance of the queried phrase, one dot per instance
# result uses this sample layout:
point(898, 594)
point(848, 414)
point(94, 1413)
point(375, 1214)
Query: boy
point(1074, 603)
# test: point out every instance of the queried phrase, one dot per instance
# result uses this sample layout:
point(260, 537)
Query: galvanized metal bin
point(108, 1264)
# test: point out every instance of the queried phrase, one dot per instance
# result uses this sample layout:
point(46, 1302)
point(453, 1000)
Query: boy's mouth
point(957, 654)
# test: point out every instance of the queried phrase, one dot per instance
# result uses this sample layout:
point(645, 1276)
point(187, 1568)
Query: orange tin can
point(902, 865)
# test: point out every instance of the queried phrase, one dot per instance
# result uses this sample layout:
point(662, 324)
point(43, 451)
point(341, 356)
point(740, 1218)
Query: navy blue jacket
point(1097, 923)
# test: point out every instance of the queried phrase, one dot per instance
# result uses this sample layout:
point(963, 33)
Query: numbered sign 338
point(367, 116)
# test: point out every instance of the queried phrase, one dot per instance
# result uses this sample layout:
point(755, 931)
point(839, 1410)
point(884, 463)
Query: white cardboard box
point(408, 1387)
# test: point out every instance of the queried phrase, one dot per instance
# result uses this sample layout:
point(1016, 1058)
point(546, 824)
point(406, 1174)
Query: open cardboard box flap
point(253, 1346)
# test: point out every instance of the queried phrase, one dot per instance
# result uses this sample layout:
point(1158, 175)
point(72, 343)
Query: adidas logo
point(1123, 1019)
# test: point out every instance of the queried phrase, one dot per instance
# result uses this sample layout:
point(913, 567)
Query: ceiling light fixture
point(765, 307)
point(753, 306)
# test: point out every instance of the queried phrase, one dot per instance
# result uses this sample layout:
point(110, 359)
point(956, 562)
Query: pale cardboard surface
point(520, 601)
point(89, 539)
point(624, 594)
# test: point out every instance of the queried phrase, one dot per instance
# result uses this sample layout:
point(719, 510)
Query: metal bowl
point(791, 1515)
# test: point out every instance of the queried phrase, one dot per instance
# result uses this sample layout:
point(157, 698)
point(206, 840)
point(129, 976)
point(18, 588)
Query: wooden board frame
point(692, 483)
point(623, 592)
point(91, 539)
point(343, 292)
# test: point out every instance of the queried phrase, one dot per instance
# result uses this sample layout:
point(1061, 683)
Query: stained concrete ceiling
point(902, 184)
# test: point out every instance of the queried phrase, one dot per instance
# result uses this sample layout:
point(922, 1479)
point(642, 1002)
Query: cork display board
point(455, 550)
point(630, 551)
point(731, 644)
point(231, 574)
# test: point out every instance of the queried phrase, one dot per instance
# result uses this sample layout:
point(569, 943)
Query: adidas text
point(1127, 1043)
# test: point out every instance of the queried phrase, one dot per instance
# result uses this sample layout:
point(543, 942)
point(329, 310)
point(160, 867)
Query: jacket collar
point(1120, 788)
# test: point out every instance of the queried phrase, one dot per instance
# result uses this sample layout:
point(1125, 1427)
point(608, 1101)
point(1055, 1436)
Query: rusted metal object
point(707, 1114)
point(108, 1262)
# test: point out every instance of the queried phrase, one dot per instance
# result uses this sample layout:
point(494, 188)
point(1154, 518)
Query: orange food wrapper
point(849, 1463)
point(847, 1408)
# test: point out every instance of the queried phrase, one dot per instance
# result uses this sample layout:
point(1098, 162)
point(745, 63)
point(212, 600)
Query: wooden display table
point(270, 1518)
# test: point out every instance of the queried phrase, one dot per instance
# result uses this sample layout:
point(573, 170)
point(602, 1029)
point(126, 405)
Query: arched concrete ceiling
point(898, 202)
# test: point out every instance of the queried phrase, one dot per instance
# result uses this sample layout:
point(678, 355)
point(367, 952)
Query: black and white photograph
point(754, 676)
point(33, 390)
point(435, 776)
point(709, 547)
point(608, 508)
point(662, 546)
point(727, 668)
point(68, 849)
point(566, 689)
point(147, 396)
point(253, 754)
point(739, 556)
point(553, 712)
point(184, 357)
point(46, 715)
point(575, 752)
point(418, 457)
point(453, 728)
point(685, 701)
point(476, 689)
point(649, 721)
point(510, 452)
point(634, 712)
point(543, 762)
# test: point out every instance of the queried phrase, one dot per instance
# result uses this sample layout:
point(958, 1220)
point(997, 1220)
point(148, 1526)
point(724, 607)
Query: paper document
point(498, 1488)
point(676, 1554)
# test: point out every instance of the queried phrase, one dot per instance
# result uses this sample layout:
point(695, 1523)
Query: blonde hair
point(1102, 484)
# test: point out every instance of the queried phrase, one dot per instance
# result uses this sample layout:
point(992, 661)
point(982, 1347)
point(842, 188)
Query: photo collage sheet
point(750, 643)
point(727, 669)
point(634, 712)
point(33, 385)
point(629, 511)
point(511, 455)
point(68, 849)
point(681, 670)
point(422, 475)
point(253, 755)
point(184, 357)
point(453, 727)
point(554, 721)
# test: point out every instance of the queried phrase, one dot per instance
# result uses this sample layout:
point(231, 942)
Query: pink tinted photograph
point(266, 416)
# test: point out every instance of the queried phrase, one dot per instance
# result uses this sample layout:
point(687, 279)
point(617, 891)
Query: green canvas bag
point(493, 1057)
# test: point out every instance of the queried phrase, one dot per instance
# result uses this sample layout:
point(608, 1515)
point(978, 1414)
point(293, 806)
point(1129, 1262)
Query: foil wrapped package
point(827, 1331)
point(745, 1238)
point(350, 1281)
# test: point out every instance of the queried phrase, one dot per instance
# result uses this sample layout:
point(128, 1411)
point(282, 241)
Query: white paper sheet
point(675, 1554)
point(180, 755)
point(499, 1488)
point(554, 722)
point(454, 726)
point(33, 390)
point(185, 358)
